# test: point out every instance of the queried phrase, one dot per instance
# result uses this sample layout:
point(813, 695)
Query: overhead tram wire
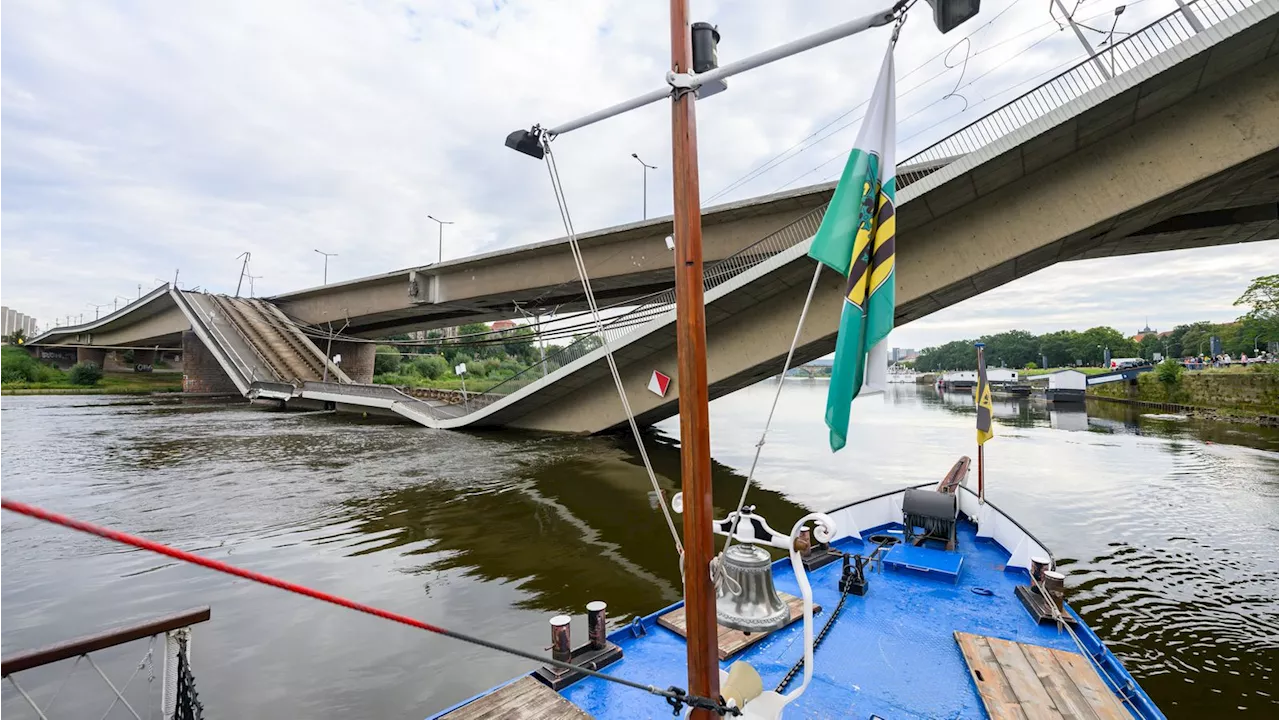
point(1074, 59)
point(906, 92)
point(769, 164)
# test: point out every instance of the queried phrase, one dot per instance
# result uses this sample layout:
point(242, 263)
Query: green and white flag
point(857, 240)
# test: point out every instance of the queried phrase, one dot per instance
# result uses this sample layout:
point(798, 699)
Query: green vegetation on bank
point(22, 374)
point(493, 362)
point(1238, 391)
point(1066, 348)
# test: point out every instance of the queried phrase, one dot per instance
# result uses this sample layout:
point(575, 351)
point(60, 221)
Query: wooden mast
point(691, 339)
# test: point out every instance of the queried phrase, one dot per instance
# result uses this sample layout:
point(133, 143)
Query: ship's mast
point(691, 346)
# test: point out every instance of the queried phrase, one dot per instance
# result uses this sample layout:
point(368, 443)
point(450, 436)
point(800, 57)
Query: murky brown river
point(1167, 528)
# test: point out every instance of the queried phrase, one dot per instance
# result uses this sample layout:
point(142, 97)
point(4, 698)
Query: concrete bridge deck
point(1179, 150)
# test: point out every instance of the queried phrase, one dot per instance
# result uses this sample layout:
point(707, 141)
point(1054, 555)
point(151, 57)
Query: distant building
point(901, 354)
point(501, 325)
point(12, 320)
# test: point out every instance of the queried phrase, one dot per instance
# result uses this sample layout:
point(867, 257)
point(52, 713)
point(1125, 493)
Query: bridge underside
point(1187, 159)
point(1179, 153)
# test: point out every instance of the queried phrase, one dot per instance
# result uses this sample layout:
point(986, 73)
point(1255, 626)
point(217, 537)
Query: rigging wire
point(562, 203)
point(770, 164)
point(908, 91)
point(673, 694)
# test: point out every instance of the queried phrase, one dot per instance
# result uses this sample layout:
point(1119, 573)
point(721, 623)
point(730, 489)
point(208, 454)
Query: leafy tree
point(519, 344)
point(17, 337)
point(1169, 373)
point(1030, 366)
point(1259, 325)
point(1056, 347)
point(84, 373)
point(1014, 348)
point(431, 367)
point(386, 359)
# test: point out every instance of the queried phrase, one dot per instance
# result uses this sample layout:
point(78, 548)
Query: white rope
point(27, 697)
point(112, 685)
point(716, 575)
point(563, 206)
point(48, 707)
point(1061, 620)
point(146, 660)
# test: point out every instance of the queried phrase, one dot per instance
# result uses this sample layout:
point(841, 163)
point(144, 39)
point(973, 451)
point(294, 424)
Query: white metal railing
point(1120, 57)
point(247, 372)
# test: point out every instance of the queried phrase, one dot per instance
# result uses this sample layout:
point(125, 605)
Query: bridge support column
point(97, 356)
point(201, 372)
point(357, 358)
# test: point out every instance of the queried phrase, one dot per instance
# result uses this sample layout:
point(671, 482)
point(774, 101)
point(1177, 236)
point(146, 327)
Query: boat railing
point(173, 633)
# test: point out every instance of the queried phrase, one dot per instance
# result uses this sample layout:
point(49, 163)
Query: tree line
point(1257, 328)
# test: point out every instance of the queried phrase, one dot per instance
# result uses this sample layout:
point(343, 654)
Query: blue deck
point(891, 653)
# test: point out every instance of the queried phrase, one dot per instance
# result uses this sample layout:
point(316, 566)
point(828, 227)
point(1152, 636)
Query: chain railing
point(1118, 58)
point(177, 690)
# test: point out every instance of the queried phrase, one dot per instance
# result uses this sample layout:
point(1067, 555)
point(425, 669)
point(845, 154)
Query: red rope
point(674, 696)
point(153, 546)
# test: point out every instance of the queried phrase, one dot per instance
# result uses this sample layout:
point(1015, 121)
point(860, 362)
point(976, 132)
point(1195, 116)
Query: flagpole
point(982, 493)
point(982, 487)
point(701, 645)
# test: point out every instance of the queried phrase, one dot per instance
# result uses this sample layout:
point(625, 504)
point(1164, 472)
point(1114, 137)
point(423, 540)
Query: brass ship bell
point(745, 597)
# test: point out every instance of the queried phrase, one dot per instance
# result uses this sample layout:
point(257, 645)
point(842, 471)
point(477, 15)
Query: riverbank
point(112, 383)
point(1235, 394)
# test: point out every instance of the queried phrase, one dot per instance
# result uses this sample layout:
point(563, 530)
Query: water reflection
point(1167, 527)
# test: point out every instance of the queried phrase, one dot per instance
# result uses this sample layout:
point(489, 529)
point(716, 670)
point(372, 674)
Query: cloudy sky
point(145, 137)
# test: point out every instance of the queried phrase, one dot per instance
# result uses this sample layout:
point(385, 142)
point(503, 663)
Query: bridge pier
point(97, 356)
point(143, 357)
point(357, 358)
point(201, 372)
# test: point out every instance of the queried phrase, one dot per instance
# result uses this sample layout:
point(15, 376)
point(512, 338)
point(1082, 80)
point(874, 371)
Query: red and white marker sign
point(659, 383)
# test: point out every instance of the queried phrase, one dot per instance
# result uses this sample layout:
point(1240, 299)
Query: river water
point(1166, 527)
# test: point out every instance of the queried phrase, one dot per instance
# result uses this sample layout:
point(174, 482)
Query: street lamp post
point(326, 264)
point(440, 246)
point(644, 184)
point(96, 308)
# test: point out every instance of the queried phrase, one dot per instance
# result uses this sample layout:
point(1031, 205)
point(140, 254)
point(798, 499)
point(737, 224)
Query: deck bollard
point(1038, 566)
point(560, 648)
point(596, 623)
point(1055, 585)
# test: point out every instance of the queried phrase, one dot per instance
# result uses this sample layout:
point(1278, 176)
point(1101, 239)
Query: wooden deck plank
point(731, 642)
point(997, 696)
point(1101, 697)
point(1016, 680)
point(1066, 695)
point(1024, 681)
point(524, 699)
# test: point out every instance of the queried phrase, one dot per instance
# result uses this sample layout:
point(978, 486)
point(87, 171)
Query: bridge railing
point(1117, 59)
point(616, 327)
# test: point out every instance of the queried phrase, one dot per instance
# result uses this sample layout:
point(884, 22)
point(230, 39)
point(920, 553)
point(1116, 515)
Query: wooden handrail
point(98, 641)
